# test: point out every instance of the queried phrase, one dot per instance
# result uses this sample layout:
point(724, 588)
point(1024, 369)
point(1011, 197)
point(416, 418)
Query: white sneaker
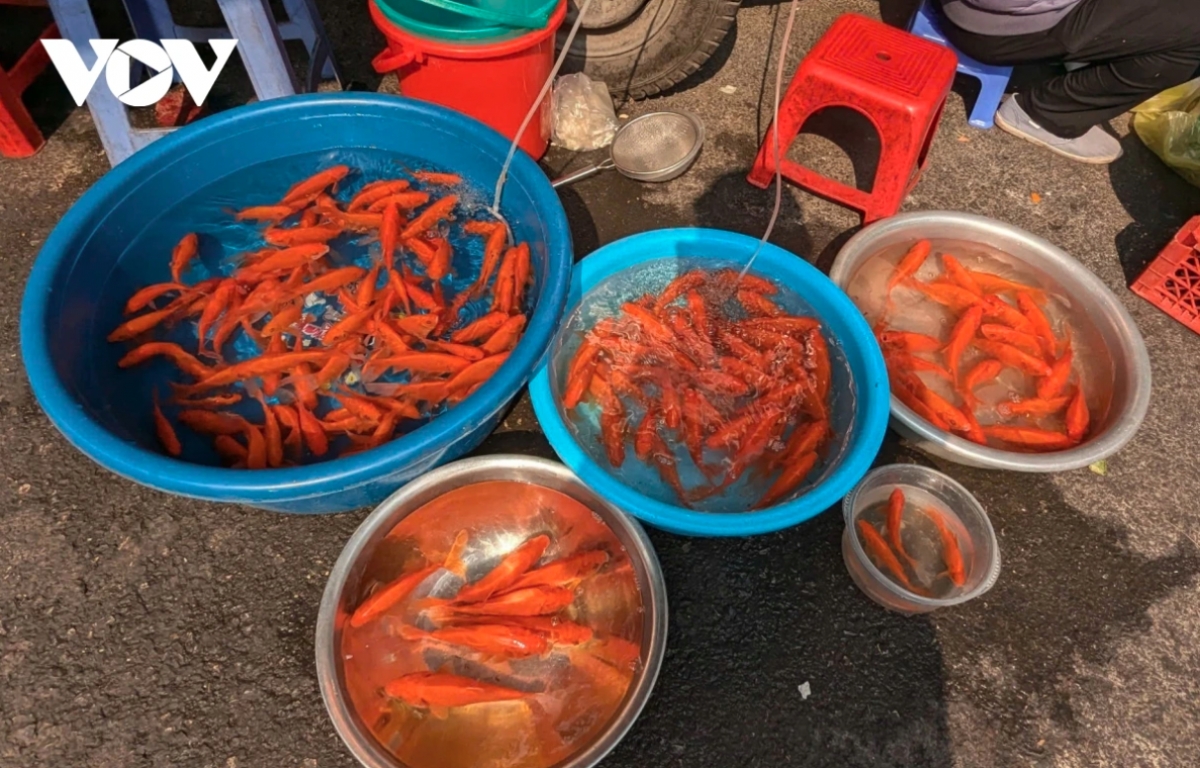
point(1095, 146)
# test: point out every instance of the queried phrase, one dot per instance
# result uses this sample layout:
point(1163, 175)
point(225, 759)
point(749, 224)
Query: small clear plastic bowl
point(982, 561)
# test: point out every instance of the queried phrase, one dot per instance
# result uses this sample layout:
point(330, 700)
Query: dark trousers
point(1134, 49)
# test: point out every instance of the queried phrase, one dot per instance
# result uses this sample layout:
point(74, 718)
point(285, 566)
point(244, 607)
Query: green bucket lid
point(456, 20)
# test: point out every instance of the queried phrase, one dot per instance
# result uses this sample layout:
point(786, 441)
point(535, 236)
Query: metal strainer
point(655, 147)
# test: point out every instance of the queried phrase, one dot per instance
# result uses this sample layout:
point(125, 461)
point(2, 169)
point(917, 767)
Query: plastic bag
point(1169, 124)
point(583, 113)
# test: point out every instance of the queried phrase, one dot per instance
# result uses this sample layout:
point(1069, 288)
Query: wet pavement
point(143, 629)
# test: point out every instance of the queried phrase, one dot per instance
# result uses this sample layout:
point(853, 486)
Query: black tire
point(653, 50)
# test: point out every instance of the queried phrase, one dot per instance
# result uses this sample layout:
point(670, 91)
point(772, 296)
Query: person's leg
point(1134, 50)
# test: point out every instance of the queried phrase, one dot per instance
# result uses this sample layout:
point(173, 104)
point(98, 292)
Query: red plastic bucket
point(494, 82)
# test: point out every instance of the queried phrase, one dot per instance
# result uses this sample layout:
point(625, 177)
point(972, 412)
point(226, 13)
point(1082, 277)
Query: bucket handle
point(390, 59)
point(536, 21)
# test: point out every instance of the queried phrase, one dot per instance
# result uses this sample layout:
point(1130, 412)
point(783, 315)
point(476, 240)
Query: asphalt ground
point(138, 629)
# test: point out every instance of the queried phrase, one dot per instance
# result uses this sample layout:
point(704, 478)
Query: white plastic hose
point(787, 34)
point(537, 104)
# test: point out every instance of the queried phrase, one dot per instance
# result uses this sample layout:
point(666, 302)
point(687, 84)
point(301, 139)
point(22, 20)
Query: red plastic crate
point(1172, 281)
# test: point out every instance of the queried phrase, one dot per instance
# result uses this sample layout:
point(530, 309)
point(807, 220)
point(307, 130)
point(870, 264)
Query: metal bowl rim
point(1123, 426)
point(362, 745)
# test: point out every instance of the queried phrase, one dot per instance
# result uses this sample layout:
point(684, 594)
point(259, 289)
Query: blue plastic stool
point(260, 44)
point(992, 79)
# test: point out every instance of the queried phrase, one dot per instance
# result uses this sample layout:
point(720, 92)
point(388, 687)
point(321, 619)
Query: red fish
point(983, 372)
point(439, 690)
point(438, 179)
point(315, 184)
point(794, 473)
point(909, 342)
point(140, 324)
point(1077, 416)
point(1010, 355)
point(468, 379)
point(1029, 437)
point(404, 201)
point(505, 337)
point(183, 254)
point(530, 601)
point(1025, 342)
point(271, 213)
point(482, 328)
point(757, 304)
point(284, 260)
point(502, 577)
point(567, 572)
point(1037, 319)
point(1060, 374)
point(949, 295)
point(300, 235)
point(376, 191)
point(495, 640)
point(878, 550)
point(493, 251)
point(914, 363)
point(558, 631)
point(995, 284)
point(951, 554)
point(960, 275)
point(166, 433)
point(212, 423)
point(680, 286)
point(908, 389)
point(255, 367)
point(184, 361)
point(148, 294)
point(895, 515)
point(996, 309)
point(910, 263)
point(437, 211)
point(389, 234)
point(1034, 407)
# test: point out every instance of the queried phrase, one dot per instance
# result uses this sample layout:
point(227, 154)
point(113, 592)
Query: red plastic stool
point(896, 80)
point(1172, 281)
point(19, 134)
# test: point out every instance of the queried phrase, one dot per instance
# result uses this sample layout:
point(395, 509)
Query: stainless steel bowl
point(343, 584)
point(1131, 363)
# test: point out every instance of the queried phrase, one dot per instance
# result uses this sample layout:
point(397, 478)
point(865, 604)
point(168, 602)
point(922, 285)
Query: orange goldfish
point(878, 550)
point(183, 254)
point(951, 554)
point(910, 263)
point(439, 690)
point(383, 600)
point(530, 601)
point(502, 640)
point(1077, 416)
point(1010, 355)
point(164, 430)
point(506, 572)
point(567, 572)
point(184, 361)
point(895, 515)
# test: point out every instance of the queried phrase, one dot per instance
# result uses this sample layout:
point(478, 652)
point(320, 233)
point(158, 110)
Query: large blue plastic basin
point(86, 270)
point(842, 319)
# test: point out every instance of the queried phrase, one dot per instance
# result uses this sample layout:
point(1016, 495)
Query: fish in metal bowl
point(493, 613)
